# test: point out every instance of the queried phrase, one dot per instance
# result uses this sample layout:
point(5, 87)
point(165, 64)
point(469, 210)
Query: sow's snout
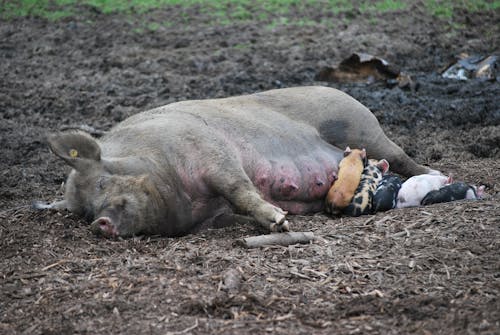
point(104, 226)
point(118, 218)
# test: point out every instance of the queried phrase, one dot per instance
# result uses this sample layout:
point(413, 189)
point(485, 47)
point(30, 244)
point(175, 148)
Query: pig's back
point(245, 123)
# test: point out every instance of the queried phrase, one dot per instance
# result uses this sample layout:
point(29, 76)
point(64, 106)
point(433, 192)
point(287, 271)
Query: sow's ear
point(77, 148)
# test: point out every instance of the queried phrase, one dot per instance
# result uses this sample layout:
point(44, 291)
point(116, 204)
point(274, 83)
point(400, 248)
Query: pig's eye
point(120, 202)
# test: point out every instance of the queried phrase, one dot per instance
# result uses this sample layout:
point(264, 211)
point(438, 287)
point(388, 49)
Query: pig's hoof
point(332, 210)
point(271, 217)
point(280, 227)
point(279, 217)
point(280, 223)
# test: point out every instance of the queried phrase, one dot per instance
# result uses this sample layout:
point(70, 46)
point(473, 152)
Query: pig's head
point(354, 154)
point(475, 192)
point(120, 205)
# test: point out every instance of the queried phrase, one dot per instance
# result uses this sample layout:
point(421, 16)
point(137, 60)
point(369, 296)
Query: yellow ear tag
point(73, 153)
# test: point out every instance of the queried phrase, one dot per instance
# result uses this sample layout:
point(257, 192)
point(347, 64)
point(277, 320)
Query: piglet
point(349, 175)
point(415, 188)
point(362, 201)
point(386, 195)
point(455, 191)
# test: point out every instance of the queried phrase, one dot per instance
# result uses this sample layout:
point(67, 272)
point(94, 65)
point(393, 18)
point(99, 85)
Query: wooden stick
point(62, 261)
point(277, 239)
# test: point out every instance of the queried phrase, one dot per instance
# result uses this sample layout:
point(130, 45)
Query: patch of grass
point(153, 26)
point(389, 5)
point(439, 9)
point(383, 6)
point(339, 6)
point(445, 8)
point(241, 13)
point(32, 7)
point(373, 21)
point(241, 46)
point(270, 12)
point(277, 22)
point(304, 22)
point(167, 24)
point(138, 30)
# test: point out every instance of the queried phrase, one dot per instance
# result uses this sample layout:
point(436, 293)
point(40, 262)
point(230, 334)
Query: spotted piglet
point(362, 200)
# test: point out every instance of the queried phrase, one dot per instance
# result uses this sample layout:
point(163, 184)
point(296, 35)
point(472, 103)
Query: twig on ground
point(276, 239)
point(62, 261)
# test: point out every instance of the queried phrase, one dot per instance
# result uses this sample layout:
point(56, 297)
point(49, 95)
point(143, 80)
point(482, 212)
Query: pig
point(452, 192)
point(349, 175)
point(362, 201)
point(168, 170)
point(386, 195)
point(415, 188)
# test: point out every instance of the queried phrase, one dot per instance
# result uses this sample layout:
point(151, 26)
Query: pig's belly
point(296, 184)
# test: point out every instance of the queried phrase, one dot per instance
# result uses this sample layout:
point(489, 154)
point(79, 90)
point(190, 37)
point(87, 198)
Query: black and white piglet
point(386, 195)
point(452, 192)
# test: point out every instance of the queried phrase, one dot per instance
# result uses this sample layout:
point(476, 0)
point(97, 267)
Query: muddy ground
point(422, 270)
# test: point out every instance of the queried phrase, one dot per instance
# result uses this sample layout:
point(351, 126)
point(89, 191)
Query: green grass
point(444, 8)
point(269, 12)
point(383, 6)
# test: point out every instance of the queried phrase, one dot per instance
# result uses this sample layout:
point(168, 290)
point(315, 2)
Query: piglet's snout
point(104, 226)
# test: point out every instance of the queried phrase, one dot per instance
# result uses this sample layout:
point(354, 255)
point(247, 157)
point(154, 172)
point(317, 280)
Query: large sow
point(170, 169)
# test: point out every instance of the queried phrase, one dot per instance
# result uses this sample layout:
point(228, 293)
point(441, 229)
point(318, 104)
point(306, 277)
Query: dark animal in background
point(362, 201)
point(452, 192)
point(386, 195)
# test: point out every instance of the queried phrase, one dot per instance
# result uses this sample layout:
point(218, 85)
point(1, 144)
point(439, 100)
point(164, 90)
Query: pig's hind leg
point(237, 188)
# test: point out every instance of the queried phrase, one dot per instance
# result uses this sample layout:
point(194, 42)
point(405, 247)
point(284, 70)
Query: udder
point(297, 185)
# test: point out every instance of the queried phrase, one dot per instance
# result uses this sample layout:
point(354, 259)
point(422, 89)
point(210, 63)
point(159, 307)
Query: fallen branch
point(62, 261)
point(277, 239)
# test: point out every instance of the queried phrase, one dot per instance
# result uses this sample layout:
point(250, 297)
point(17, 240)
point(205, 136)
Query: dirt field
point(432, 270)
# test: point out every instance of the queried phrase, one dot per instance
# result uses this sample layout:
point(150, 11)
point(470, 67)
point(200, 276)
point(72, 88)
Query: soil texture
point(426, 270)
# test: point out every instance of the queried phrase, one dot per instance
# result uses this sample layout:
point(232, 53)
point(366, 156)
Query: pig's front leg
point(239, 190)
point(247, 200)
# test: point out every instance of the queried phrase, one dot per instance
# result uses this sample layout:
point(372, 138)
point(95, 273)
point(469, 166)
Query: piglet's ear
point(480, 191)
point(347, 151)
point(77, 148)
point(383, 165)
point(364, 157)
